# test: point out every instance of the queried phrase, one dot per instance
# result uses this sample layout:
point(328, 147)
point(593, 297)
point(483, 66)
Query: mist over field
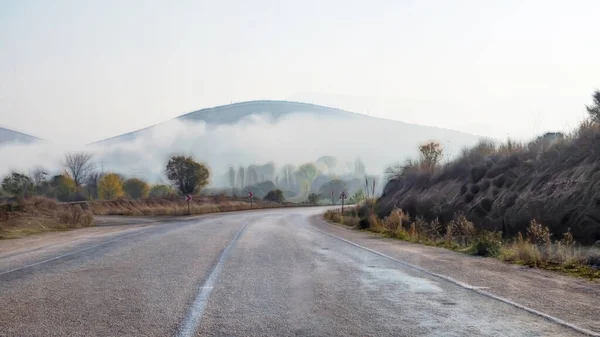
point(255, 139)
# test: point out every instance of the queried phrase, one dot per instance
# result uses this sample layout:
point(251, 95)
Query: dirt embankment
point(37, 214)
point(554, 180)
point(200, 205)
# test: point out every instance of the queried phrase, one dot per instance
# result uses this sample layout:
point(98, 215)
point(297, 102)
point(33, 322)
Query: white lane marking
point(478, 290)
point(196, 310)
point(68, 254)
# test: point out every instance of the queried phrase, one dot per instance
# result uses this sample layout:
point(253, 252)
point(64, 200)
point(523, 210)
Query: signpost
point(250, 197)
point(188, 198)
point(343, 197)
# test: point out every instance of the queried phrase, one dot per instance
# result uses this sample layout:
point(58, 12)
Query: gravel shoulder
point(573, 300)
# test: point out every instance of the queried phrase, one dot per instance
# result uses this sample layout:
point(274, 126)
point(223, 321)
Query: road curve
point(259, 273)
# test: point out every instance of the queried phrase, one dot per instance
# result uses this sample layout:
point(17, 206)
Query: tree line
point(81, 180)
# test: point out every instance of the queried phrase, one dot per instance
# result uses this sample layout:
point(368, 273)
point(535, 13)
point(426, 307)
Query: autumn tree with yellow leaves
point(110, 187)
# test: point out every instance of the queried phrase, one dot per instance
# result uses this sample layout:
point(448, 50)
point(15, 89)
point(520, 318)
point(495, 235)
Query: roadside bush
point(136, 188)
point(275, 196)
point(313, 198)
point(488, 243)
point(461, 229)
point(162, 191)
point(396, 220)
point(538, 234)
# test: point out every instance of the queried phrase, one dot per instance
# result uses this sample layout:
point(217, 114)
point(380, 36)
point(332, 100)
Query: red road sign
point(343, 196)
point(188, 198)
point(250, 194)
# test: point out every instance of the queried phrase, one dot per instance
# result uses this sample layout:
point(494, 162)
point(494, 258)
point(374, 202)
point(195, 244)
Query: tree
point(431, 154)
point(17, 184)
point(336, 186)
point(62, 187)
point(92, 184)
point(313, 198)
point(161, 191)
point(274, 195)
point(252, 175)
point(187, 175)
point(265, 172)
point(357, 197)
point(110, 186)
point(307, 172)
point(231, 176)
point(80, 166)
point(242, 176)
point(39, 178)
point(329, 162)
point(136, 188)
point(288, 175)
point(359, 168)
point(594, 110)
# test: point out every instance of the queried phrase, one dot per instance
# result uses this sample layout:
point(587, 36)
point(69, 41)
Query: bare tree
point(39, 178)
point(431, 154)
point(80, 166)
point(92, 184)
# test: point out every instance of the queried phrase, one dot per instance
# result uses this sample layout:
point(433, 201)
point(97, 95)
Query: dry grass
point(155, 207)
point(38, 214)
point(536, 249)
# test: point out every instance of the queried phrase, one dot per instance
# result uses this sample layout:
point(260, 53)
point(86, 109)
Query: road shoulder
point(571, 299)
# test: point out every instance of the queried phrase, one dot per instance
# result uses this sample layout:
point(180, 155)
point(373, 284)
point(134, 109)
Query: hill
point(10, 136)
point(554, 180)
point(258, 132)
point(276, 110)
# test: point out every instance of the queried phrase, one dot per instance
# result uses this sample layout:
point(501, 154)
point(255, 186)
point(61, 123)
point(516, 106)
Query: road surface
point(258, 273)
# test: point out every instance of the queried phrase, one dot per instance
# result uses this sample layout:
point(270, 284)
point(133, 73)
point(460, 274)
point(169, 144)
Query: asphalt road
point(258, 273)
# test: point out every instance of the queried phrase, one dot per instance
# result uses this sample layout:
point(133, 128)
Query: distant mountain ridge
point(235, 112)
point(11, 136)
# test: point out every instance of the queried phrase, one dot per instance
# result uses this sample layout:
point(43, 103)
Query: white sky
point(79, 71)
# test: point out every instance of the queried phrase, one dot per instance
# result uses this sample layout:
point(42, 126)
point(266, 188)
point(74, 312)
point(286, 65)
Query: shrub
point(357, 197)
point(488, 243)
point(538, 234)
point(462, 229)
point(523, 252)
point(432, 229)
point(136, 188)
point(161, 191)
point(110, 187)
point(395, 220)
point(313, 198)
point(275, 195)
point(17, 184)
point(375, 224)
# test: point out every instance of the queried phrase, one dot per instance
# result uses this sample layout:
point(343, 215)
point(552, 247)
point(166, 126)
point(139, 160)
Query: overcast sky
point(79, 71)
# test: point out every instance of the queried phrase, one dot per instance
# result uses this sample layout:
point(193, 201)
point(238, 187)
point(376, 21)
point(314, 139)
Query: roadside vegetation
point(534, 204)
point(533, 248)
point(37, 214)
